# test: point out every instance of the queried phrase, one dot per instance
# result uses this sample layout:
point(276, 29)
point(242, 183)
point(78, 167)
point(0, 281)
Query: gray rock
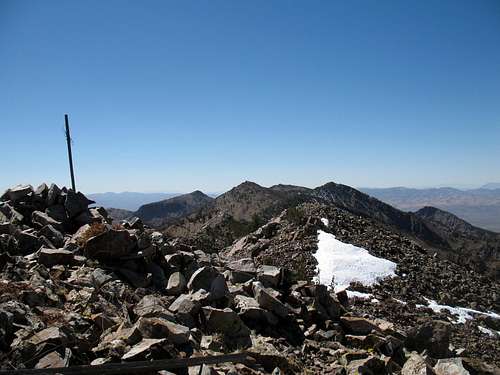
point(153, 307)
point(57, 212)
point(268, 302)
point(246, 265)
point(161, 328)
point(187, 306)
point(27, 242)
point(202, 279)
point(99, 277)
point(111, 244)
point(251, 313)
point(227, 322)
point(10, 213)
point(142, 348)
point(55, 236)
point(269, 276)
point(42, 191)
point(53, 195)
point(42, 219)
point(176, 284)
point(137, 279)
point(358, 326)
point(76, 203)
point(433, 336)
point(450, 366)
point(370, 365)
point(416, 365)
point(51, 257)
point(17, 193)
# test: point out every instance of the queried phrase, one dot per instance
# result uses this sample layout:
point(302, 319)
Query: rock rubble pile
point(77, 288)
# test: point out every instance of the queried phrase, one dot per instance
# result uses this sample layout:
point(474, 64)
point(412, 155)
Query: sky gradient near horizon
point(182, 95)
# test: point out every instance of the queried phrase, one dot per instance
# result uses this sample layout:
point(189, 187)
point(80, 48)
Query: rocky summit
point(241, 274)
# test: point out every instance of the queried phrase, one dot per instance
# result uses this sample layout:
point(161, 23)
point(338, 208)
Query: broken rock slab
point(42, 219)
point(176, 284)
point(17, 193)
point(142, 348)
point(268, 302)
point(416, 365)
point(109, 245)
point(358, 326)
point(269, 276)
point(227, 322)
point(161, 328)
point(51, 257)
point(450, 366)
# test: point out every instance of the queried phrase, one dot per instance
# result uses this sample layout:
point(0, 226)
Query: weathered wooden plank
point(139, 367)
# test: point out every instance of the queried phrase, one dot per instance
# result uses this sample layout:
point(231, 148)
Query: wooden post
point(70, 156)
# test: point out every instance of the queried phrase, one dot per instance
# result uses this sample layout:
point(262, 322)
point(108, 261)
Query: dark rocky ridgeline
point(77, 290)
point(244, 208)
point(165, 212)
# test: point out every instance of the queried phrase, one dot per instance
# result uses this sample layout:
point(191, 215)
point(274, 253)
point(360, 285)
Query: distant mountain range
point(480, 207)
point(128, 200)
point(165, 211)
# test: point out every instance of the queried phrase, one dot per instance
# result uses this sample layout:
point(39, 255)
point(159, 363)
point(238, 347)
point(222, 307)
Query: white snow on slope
point(347, 263)
point(462, 313)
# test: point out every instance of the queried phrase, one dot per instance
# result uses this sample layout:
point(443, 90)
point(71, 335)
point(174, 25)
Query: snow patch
point(462, 313)
point(325, 222)
point(355, 294)
point(346, 263)
point(489, 332)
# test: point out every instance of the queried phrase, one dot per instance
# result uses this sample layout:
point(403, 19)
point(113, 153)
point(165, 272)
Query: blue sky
point(181, 95)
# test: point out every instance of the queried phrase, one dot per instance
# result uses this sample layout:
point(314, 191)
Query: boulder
point(370, 365)
point(53, 195)
point(9, 213)
point(109, 245)
point(53, 360)
point(42, 219)
point(27, 242)
point(51, 257)
point(41, 191)
point(269, 276)
point(136, 279)
point(358, 326)
point(245, 265)
point(416, 365)
point(202, 279)
point(142, 348)
point(211, 280)
point(433, 336)
point(151, 306)
point(161, 328)
point(251, 313)
point(54, 236)
point(75, 203)
point(268, 302)
point(450, 366)
point(17, 193)
point(227, 322)
point(187, 306)
point(57, 212)
point(176, 284)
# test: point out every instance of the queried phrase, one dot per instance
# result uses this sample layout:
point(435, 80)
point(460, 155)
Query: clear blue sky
point(179, 95)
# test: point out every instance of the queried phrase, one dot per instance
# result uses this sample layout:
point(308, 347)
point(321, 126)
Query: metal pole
point(70, 156)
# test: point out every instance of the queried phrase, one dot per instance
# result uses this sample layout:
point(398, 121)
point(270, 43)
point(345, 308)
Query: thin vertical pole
point(70, 156)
